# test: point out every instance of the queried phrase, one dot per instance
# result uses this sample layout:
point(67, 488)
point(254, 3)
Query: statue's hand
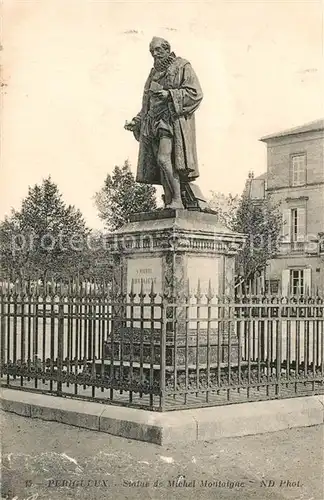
point(130, 125)
point(162, 94)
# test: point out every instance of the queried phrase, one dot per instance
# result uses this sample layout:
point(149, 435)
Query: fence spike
point(77, 286)
point(239, 288)
point(198, 294)
point(209, 294)
point(260, 294)
point(152, 293)
point(47, 284)
point(131, 294)
point(142, 294)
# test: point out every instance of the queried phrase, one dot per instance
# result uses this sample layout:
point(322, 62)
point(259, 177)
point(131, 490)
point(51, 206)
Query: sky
point(73, 73)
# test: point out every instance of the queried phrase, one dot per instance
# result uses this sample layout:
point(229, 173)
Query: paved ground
point(49, 461)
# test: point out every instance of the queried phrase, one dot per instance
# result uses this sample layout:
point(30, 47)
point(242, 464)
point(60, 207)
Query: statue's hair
point(164, 43)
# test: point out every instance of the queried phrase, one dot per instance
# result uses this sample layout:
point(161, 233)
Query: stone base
point(176, 427)
point(215, 356)
point(181, 254)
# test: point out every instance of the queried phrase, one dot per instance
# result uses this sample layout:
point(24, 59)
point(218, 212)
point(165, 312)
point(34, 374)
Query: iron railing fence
point(161, 352)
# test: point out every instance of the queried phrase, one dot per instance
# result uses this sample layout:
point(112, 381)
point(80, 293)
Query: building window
point(298, 223)
point(294, 225)
point(297, 281)
point(298, 170)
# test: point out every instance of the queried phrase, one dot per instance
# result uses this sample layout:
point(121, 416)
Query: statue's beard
point(161, 63)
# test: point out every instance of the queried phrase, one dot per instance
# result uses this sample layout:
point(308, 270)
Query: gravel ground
point(50, 461)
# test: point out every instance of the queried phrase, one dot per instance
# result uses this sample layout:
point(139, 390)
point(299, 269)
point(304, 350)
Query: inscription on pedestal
point(144, 270)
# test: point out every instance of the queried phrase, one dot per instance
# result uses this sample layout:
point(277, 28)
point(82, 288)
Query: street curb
point(176, 427)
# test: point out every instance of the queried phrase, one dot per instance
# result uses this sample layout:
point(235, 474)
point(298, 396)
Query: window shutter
point(298, 170)
point(285, 282)
point(286, 225)
point(308, 280)
point(301, 224)
point(303, 170)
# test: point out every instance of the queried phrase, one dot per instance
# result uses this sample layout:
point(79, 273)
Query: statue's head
point(159, 48)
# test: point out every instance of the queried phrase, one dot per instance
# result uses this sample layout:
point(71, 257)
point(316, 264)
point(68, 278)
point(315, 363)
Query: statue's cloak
point(185, 97)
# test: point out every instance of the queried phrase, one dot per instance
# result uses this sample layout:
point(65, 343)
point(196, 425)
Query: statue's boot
point(175, 204)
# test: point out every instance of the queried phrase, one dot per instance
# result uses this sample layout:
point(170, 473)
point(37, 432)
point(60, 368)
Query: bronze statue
point(165, 126)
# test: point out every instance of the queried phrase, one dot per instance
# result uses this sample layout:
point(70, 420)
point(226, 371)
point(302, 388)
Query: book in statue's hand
point(155, 87)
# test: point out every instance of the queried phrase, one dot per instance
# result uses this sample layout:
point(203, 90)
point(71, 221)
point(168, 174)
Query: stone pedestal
point(176, 250)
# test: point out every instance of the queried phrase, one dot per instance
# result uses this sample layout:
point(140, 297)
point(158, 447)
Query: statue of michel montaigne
point(165, 126)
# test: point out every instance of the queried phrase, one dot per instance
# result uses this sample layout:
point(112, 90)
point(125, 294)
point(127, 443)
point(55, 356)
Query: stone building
point(295, 179)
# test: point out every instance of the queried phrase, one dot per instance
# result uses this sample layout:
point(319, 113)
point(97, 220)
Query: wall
point(316, 264)
point(279, 151)
point(314, 204)
point(311, 195)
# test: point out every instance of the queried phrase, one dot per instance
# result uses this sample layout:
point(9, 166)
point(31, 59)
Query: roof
point(261, 177)
point(313, 126)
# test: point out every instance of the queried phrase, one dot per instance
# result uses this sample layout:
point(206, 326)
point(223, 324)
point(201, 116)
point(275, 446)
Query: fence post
point(60, 347)
point(163, 350)
point(3, 330)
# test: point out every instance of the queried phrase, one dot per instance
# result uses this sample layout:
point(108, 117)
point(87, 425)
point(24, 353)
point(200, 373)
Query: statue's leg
point(172, 181)
point(167, 196)
point(166, 188)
